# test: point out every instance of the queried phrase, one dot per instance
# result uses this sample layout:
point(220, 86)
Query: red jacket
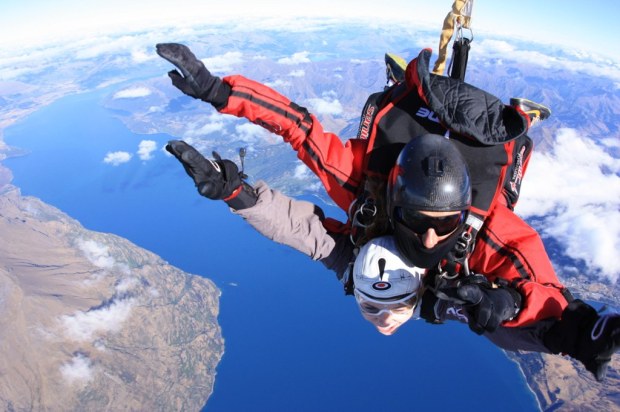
point(506, 246)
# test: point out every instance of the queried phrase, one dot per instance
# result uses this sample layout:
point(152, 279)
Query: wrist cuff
point(242, 198)
point(516, 296)
point(220, 98)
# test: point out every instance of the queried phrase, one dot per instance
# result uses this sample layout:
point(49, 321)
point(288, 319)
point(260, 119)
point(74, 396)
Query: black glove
point(195, 80)
point(586, 335)
point(488, 307)
point(215, 179)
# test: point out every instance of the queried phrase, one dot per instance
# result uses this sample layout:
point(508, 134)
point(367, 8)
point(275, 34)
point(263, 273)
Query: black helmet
point(430, 175)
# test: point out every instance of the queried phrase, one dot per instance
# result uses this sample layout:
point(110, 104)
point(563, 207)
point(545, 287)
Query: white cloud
point(213, 123)
point(328, 104)
point(489, 46)
point(301, 172)
point(297, 73)
point(146, 149)
point(96, 253)
point(99, 345)
point(15, 87)
point(132, 45)
point(83, 326)
point(117, 158)
point(142, 55)
point(110, 82)
point(611, 142)
point(211, 127)
point(296, 58)
point(251, 133)
point(577, 188)
point(223, 63)
point(126, 284)
point(572, 60)
point(156, 109)
point(278, 83)
point(132, 93)
point(79, 370)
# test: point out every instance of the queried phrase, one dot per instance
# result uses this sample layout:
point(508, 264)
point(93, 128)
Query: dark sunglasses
point(419, 223)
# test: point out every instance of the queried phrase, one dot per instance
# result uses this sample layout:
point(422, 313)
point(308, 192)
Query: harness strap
point(457, 260)
point(347, 279)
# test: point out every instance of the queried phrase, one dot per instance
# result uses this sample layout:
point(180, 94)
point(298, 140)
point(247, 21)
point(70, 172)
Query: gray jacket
point(298, 224)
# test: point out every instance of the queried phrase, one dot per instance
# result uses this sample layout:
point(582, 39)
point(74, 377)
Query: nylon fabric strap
point(242, 198)
point(474, 221)
point(460, 56)
point(461, 10)
point(233, 194)
point(458, 258)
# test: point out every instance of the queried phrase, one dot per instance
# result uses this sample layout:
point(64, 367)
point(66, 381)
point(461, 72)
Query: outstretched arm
point(337, 165)
point(298, 224)
point(508, 248)
point(294, 223)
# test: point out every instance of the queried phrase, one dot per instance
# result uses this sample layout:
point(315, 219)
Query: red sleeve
point(338, 165)
point(510, 249)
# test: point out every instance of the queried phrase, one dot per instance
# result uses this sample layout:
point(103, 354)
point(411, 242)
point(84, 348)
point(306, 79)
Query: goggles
point(374, 307)
point(420, 223)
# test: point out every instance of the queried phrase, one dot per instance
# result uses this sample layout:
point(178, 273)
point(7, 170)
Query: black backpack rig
point(491, 137)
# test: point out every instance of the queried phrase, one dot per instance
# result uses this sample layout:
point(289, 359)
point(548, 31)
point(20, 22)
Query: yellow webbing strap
point(461, 15)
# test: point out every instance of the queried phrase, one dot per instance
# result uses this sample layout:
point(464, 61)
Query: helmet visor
point(420, 223)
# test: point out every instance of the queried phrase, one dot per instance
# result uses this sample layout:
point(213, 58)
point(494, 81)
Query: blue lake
point(293, 340)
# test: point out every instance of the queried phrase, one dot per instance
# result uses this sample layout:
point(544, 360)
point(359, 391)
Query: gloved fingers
point(472, 294)
point(199, 167)
point(177, 148)
point(493, 323)
point(196, 165)
point(480, 312)
point(180, 83)
point(230, 171)
point(480, 319)
point(179, 55)
point(209, 189)
point(170, 51)
point(190, 66)
point(488, 314)
point(475, 327)
point(450, 294)
point(175, 76)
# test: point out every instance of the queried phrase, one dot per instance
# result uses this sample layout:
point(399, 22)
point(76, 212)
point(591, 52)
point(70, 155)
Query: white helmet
point(380, 274)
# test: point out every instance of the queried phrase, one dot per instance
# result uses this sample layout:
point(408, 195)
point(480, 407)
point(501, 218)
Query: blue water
point(293, 341)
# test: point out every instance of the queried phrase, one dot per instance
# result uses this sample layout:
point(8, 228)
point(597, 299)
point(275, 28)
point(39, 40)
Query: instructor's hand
point(487, 308)
point(195, 80)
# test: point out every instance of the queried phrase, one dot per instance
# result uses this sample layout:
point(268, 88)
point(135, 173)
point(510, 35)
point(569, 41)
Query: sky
point(579, 24)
